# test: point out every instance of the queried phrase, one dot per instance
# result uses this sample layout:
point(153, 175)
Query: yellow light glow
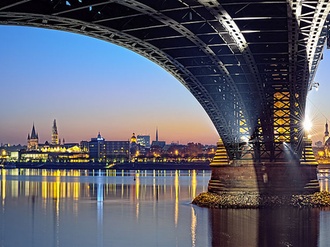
point(307, 124)
point(176, 207)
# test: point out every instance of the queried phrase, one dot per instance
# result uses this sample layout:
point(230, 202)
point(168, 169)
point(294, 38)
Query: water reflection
point(140, 208)
point(101, 208)
point(265, 227)
point(98, 185)
point(271, 227)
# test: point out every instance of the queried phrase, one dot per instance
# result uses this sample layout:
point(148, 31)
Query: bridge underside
point(250, 64)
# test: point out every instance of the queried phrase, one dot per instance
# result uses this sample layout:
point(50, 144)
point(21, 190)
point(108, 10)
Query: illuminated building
point(96, 148)
point(157, 144)
point(144, 140)
point(55, 140)
point(133, 139)
point(70, 152)
point(326, 133)
point(144, 144)
point(101, 150)
point(326, 140)
point(54, 152)
point(32, 156)
point(32, 140)
point(10, 152)
point(322, 152)
point(134, 148)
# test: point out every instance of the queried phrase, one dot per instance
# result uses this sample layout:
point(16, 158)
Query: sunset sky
point(89, 85)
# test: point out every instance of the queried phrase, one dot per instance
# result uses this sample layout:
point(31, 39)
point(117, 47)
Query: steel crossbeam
point(250, 64)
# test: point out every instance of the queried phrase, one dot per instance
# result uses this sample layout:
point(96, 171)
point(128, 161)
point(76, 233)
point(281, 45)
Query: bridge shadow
point(265, 227)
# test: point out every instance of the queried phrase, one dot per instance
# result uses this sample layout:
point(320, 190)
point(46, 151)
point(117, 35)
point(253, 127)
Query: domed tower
point(133, 139)
point(134, 148)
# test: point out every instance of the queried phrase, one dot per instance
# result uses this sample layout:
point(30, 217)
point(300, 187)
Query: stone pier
point(269, 178)
point(286, 178)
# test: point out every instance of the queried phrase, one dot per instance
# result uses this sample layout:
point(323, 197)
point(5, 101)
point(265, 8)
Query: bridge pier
point(271, 178)
point(264, 178)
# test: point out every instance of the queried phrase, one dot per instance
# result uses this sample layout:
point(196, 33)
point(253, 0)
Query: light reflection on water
point(102, 208)
point(140, 208)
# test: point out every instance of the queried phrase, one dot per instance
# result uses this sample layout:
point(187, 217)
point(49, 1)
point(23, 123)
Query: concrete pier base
point(273, 178)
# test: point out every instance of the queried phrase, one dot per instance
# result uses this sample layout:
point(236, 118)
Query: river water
point(140, 208)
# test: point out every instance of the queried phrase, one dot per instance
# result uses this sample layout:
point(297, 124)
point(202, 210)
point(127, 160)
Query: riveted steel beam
point(250, 64)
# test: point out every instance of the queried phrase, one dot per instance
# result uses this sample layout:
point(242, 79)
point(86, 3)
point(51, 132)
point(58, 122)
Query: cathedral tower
point(326, 133)
point(55, 140)
point(157, 134)
point(32, 140)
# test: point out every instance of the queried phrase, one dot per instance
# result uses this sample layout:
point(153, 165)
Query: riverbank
point(163, 166)
point(254, 200)
point(121, 166)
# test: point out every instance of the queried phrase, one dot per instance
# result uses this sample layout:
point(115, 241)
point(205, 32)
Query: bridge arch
point(113, 36)
point(243, 62)
point(115, 88)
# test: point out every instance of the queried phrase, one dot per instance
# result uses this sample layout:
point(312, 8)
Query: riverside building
point(101, 150)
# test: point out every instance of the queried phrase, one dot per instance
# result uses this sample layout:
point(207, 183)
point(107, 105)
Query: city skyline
point(92, 86)
point(61, 140)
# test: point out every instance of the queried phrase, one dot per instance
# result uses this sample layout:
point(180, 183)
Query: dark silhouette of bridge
point(250, 64)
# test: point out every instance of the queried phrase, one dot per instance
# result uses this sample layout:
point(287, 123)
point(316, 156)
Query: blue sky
point(89, 85)
point(318, 109)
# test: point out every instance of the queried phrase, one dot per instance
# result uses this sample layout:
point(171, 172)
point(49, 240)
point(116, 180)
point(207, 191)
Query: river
point(140, 208)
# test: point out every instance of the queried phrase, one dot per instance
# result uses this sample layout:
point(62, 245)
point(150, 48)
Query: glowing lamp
point(307, 125)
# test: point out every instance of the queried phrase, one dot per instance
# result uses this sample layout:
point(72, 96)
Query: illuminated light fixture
point(245, 139)
point(315, 85)
point(307, 124)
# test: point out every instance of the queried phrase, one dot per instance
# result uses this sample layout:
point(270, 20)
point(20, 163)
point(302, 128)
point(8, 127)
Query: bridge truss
point(250, 64)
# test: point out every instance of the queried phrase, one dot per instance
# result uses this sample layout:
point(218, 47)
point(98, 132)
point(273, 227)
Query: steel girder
point(249, 63)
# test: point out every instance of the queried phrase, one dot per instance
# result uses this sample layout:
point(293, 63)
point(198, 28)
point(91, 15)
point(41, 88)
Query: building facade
point(55, 140)
point(32, 140)
point(101, 150)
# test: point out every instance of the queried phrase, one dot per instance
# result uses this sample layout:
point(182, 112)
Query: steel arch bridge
point(249, 63)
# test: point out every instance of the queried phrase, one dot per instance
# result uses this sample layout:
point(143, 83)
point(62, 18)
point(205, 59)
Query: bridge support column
point(220, 157)
point(307, 157)
point(269, 178)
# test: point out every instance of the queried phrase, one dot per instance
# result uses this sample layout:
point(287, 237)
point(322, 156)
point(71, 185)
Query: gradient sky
point(318, 107)
point(89, 85)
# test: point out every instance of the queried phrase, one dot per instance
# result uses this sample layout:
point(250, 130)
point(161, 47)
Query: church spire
point(32, 140)
point(157, 134)
point(33, 135)
point(326, 133)
point(55, 140)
